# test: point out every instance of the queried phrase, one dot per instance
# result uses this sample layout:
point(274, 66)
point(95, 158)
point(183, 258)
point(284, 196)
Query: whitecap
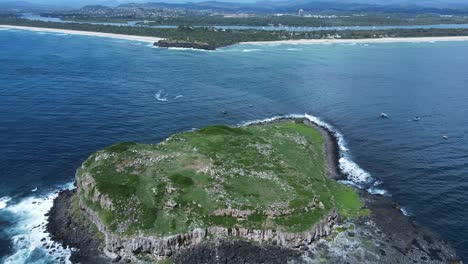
point(405, 211)
point(178, 96)
point(4, 201)
point(160, 97)
point(250, 50)
point(190, 49)
point(374, 190)
point(29, 235)
point(33, 190)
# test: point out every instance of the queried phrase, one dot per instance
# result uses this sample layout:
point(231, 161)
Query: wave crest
point(158, 96)
point(30, 240)
point(4, 201)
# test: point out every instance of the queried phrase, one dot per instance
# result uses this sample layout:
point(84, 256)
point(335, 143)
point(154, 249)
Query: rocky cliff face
point(132, 247)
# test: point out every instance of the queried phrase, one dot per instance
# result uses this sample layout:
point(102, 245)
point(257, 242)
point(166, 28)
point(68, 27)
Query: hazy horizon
point(76, 3)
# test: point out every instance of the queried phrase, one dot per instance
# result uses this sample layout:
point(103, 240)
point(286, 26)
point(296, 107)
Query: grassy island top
point(265, 176)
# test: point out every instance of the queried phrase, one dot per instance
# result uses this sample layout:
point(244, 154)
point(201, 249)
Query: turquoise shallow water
point(63, 97)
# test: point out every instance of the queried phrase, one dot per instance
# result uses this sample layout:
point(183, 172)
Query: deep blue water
point(63, 97)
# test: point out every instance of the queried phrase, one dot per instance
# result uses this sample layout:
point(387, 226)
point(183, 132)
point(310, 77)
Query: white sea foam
point(374, 190)
point(178, 96)
point(250, 50)
point(191, 49)
point(160, 97)
point(355, 175)
point(29, 235)
point(405, 211)
point(4, 202)
point(33, 190)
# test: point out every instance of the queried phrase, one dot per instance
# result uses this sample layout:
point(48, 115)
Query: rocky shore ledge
point(383, 236)
point(184, 44)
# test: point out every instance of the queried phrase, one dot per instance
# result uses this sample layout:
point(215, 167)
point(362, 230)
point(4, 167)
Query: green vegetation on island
point(264, 177)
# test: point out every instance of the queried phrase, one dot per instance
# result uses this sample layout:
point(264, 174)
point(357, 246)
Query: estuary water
point(271, 28)
point(62, 97)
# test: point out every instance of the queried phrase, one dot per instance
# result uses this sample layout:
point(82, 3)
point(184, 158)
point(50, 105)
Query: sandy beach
point(377, 40)
point(85, 33)
point(294, 42)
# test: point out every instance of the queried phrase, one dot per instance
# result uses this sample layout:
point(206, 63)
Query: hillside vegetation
point(211, 38)
point(268, 176)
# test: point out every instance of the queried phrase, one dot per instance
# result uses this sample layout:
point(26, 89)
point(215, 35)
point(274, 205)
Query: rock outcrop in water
point(128, 190)
point(184, 44)
point(82, 220)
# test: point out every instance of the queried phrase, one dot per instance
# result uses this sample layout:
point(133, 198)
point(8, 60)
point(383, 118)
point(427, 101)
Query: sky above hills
point(78, 3)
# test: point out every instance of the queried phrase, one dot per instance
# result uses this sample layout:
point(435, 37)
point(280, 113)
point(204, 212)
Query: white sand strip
point(376, 40)
point(85, 33)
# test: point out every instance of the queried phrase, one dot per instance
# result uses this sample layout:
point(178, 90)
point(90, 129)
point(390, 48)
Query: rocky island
point(263, 193)
point(184, 44)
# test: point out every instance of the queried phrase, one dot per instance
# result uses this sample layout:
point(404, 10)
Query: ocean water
point(62, 97)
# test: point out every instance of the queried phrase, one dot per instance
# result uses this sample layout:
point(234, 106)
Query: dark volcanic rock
point(233, 252)
point(183, 44)
point(408, 240)
point(76, 234)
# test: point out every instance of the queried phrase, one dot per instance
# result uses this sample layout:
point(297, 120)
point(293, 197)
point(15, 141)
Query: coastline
point(394, 237)
point(361, 41)
point(155, 40)
point(86, 33)
point(400, 238)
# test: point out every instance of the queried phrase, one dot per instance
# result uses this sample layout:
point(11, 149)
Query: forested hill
point(211, 38)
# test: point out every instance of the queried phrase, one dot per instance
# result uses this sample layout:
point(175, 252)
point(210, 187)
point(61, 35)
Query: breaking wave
point(29, 238)
point(4, 201)
point(190, 49)
point(355, 175)
point(160, 97)
point(405, 211)
point(250, 50)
